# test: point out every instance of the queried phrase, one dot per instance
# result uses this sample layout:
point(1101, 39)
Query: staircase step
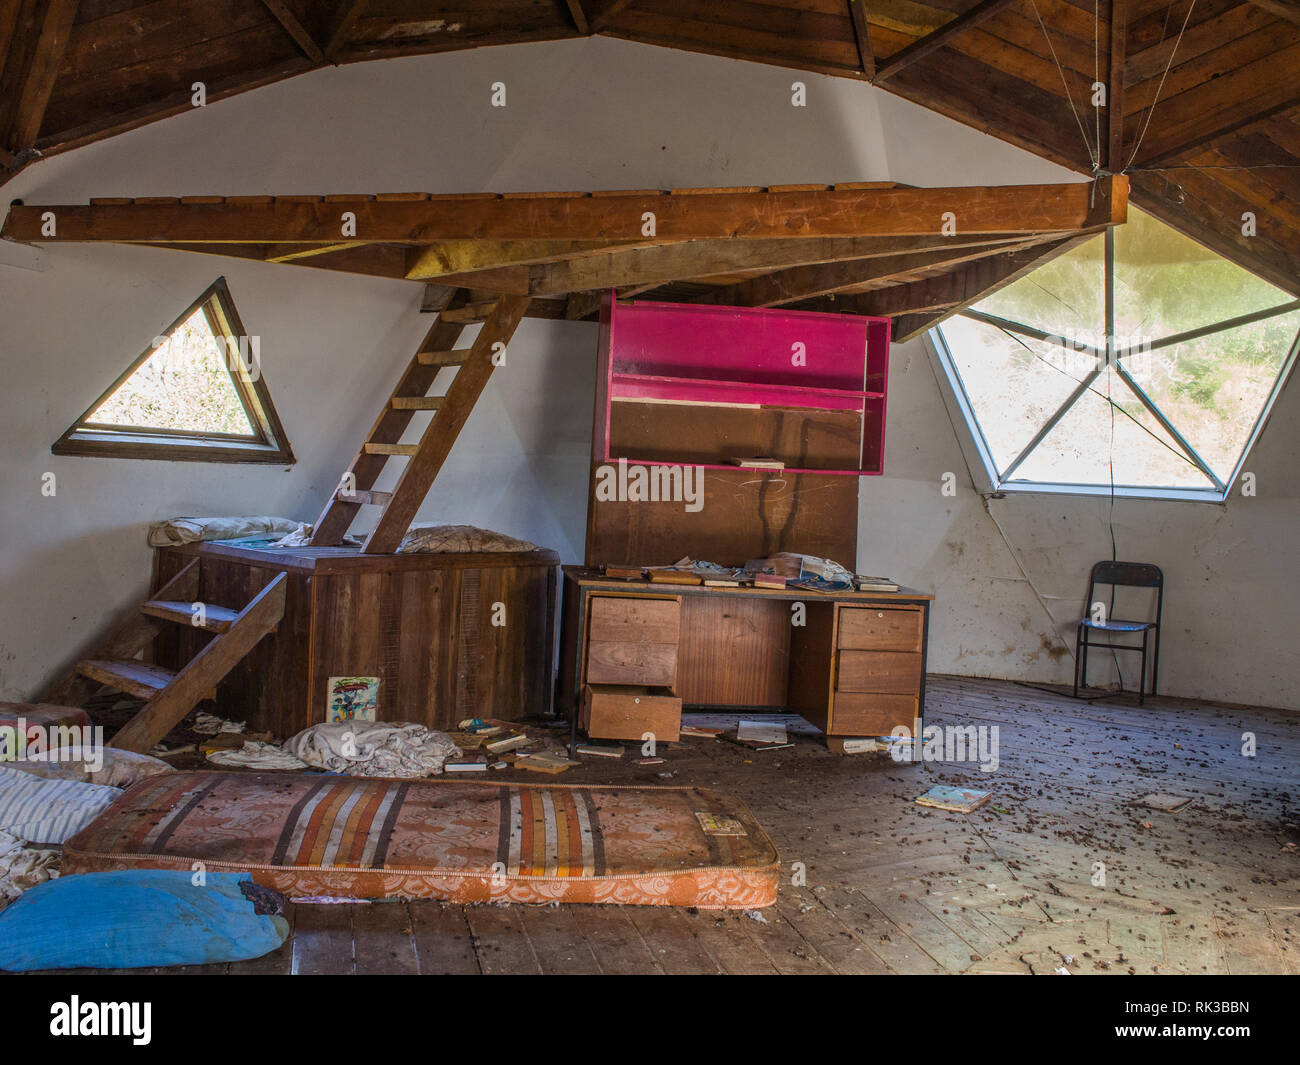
point(471, 312)
point(140, 679)
point(453, 357)
point(215, 618)
point(417, 402)
point(391, 449)
point(363, 497)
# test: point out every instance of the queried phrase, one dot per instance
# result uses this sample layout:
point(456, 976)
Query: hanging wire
point(1092, 155)
point(1168, 66)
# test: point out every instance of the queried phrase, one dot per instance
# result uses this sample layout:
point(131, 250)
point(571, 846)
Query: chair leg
point(1142, 677)
point(1155, 663)
point(1080, 659)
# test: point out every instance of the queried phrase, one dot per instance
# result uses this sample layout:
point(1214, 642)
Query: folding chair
point(1120, 574)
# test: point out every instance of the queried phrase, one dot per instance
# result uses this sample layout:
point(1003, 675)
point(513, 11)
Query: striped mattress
point(463, 841)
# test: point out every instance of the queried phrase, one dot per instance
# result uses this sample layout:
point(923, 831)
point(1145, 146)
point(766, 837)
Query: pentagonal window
point(1137, 362)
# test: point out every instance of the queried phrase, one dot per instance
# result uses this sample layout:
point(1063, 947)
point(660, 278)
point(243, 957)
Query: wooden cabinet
point(422, 623)
point(855, 667)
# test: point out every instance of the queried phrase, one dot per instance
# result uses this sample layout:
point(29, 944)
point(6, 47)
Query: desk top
point(590, 578)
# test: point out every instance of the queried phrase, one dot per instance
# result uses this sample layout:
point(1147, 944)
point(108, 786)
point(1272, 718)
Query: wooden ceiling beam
point(447, 257)
point(949, 292)
point(284, 15)
point(939, 38)
point(1113, 159)
point(679, 216)
point(51, 24)
point(579, 16)
point(807, 282)
point(1283, 9)
point(345, 21)
point(673, 262)
point(1163, 151)
point(611, 11)
point(862, 38)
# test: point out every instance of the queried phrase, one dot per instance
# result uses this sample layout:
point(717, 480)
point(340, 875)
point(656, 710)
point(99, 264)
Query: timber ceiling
point(1204, 95)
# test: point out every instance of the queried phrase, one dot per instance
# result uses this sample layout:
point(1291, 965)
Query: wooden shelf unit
point(685, 384)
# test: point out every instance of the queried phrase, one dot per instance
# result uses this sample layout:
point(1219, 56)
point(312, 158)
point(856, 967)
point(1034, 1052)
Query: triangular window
point(196, 393)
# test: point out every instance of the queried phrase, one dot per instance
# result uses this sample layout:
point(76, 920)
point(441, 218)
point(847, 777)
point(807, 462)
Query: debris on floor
point(1171, 804)
point(206, 724)
point(373, 749)
point(256, 754)
point(600, 751)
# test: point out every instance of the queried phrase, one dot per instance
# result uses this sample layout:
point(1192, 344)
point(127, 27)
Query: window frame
point(979, 455)
point(269, 444)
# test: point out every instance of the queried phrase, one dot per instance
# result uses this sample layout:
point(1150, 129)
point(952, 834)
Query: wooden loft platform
point(880, 249)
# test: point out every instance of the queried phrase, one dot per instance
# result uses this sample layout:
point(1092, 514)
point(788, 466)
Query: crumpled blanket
point(301, 537)
point(255, 754)
point(373, 749)
point(191, 530)
point(459, 539)
point(23, 867)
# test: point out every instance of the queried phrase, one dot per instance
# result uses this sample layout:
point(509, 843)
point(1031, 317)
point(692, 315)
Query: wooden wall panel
point(746, 514)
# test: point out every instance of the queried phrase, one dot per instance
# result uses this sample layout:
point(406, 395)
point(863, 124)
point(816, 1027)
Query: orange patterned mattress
point(463, 841)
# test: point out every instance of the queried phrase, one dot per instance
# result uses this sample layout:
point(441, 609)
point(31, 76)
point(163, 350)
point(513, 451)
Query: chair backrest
point(1130, 575)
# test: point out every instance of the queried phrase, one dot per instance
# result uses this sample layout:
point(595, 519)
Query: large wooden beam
point(284, 15)
point(579, 16)
point(862, 37)
point(449, 257)
point(940, 38)
point(677, 216)
point(1284, 9)
point(345, 21)
point(50, 24)
point(1113, 158)
point(806, 282)
point(949, 292)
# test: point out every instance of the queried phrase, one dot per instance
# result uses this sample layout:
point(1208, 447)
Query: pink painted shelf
point(683, 384)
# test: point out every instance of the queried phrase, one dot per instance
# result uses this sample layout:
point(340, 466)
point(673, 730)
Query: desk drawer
point(879, 671)
point(653, 664)
point(619, 619)
point(628, 714)
point(879, 629)
point(871, 714)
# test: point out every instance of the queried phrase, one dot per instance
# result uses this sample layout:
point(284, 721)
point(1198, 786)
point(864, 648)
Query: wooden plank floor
point(886, 886)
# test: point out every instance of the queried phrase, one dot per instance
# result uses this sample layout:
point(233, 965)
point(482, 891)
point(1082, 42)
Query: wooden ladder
point(169, 695)
point(474, 365)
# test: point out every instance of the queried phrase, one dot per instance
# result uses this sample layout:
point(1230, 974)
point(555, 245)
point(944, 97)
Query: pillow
point(49, 811)
point(190, 530)
point(141, 917)
point(459, 539)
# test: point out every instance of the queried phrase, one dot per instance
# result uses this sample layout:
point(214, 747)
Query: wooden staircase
point(438, 350)
point(170, 695)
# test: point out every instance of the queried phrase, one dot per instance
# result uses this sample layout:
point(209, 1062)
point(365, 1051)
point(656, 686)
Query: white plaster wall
point(581, 115)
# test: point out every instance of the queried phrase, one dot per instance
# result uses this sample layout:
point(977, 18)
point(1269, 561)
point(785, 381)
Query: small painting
point(352, 699)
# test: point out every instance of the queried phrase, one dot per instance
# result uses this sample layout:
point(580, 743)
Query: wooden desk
point(854, 667)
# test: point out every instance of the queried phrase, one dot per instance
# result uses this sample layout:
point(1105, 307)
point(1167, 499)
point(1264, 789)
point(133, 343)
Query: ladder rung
point(391, 449)
point(214, 618)
point(417, 402)
point(471, 312)
point(140, 679)
point(364, 497)
point(454, 357)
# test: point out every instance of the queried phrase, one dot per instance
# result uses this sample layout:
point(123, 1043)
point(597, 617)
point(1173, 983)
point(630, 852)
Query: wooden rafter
point(294, 28)
point(1284, 9)
point(807, 282)
point(678, 216)
point(862, 38)
point(940, 38)
point(1113, 157)
point(447, 257)
point(345, 21)
point(579, 16)
point(46, 30)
